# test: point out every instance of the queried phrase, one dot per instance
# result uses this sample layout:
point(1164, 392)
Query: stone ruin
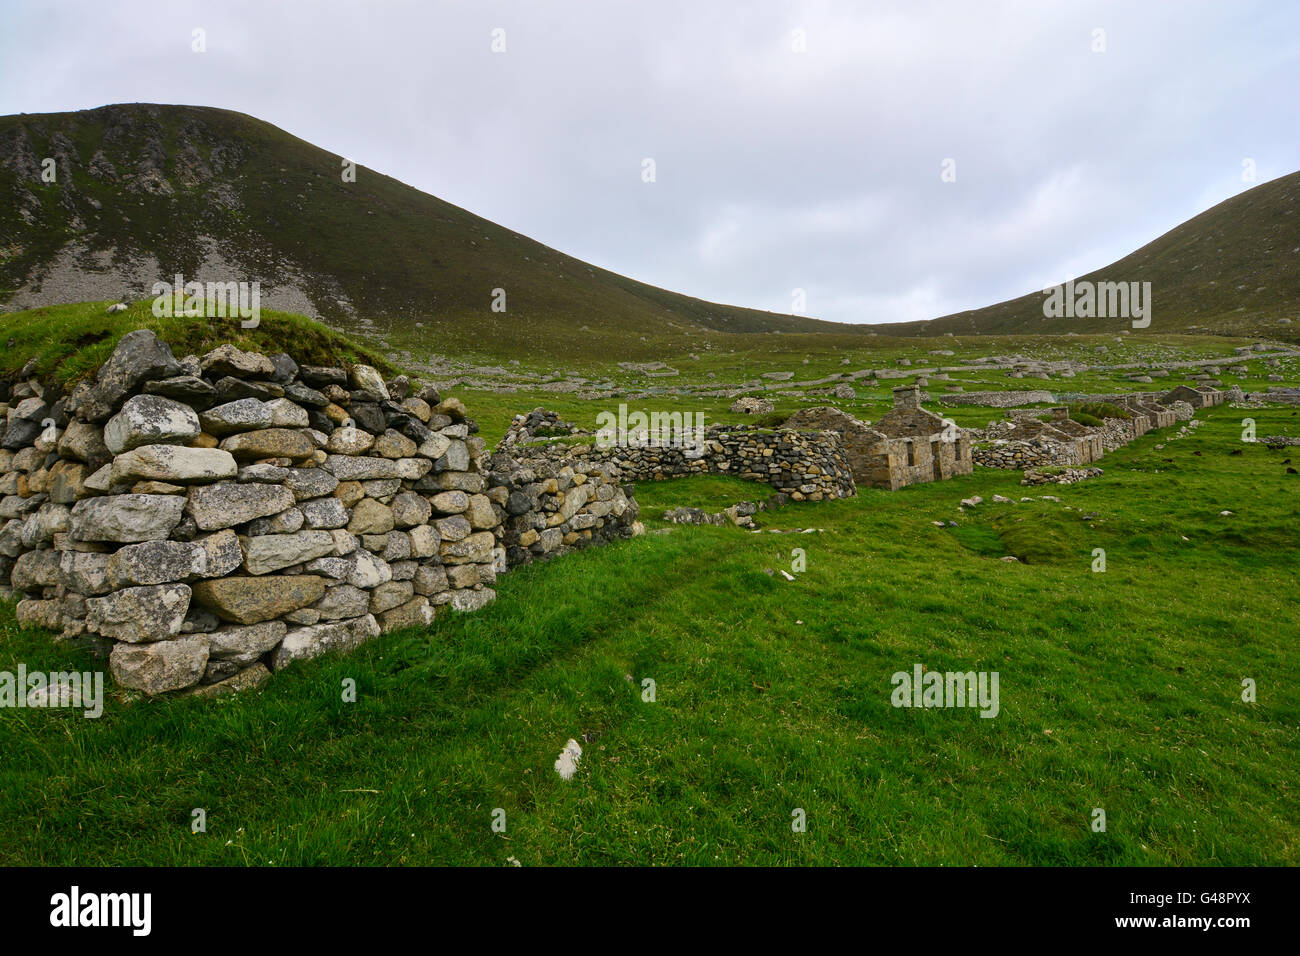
point(1026, 442)
point(205, 521)
point(806, 465)
point(749, 405)
point(817, 454)
point(906, 446)
point(1200, 396)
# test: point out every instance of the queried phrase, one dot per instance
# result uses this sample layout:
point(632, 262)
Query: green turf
point(70, 342)
point(1118, 690)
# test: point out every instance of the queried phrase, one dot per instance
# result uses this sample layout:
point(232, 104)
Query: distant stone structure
point(907, 446)
point(808, 465)
point(1027, 442)
point(749, 405)
point(999, 399)
point(1201, 396)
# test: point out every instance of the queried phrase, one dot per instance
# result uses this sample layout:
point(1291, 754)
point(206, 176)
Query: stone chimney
point(907, 396)
point(1061, 414)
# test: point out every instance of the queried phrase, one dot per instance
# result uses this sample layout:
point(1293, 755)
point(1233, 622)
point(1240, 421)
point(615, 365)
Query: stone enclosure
point(204, 521)
point(1025, 442)
point(208, 520)
point(806, 465)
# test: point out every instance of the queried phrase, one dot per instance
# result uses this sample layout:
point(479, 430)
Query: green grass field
point(1119, 690)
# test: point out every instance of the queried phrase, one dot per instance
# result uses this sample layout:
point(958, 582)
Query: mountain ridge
point(226, 196)
point(145, 191)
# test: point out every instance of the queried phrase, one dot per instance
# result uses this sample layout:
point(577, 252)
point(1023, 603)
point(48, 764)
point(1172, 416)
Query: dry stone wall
point(1025, 442)
point(806, 465)
point(553, 506)
point(205, 521)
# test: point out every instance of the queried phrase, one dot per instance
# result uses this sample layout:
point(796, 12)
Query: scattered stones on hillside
point(740, 514)
point(1066, 476)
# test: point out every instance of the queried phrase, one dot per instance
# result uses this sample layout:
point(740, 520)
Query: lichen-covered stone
point(326, 513)
point(227, 504)
point(450, 502)
point(349, 440)
point(229, 360)
point(245, 643)
point(471, 600)
point(343, 601)
point(371, 517)
point(251, 600)
point(173, 463)
point(241, 415)
point(251, 677)
point(271, 552)
point(269, 443)
point(84, 442)
point(425, 541)
point(126, 518)
point(139, 615)
point(307, 642)
point(359, 568)
point(150, 420)
point(346, 468)
point(162, 562)
point(160, 667)
point(475, 549)
point(139, 357)
point(310, 483)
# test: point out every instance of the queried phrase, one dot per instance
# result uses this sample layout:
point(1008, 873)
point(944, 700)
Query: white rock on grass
point(566, 765)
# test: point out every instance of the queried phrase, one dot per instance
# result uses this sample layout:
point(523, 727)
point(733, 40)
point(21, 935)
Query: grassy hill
point(1232, 270)
point(145, 191)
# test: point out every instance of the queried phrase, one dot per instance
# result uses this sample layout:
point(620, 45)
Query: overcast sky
point(775, 169)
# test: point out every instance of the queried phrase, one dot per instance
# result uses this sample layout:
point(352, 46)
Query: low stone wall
point(554, 506)
point(207, 520)
point(1069, 476)
point(1028, 453)
point(997, 399)
point(740, 514)
point(806, 465)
